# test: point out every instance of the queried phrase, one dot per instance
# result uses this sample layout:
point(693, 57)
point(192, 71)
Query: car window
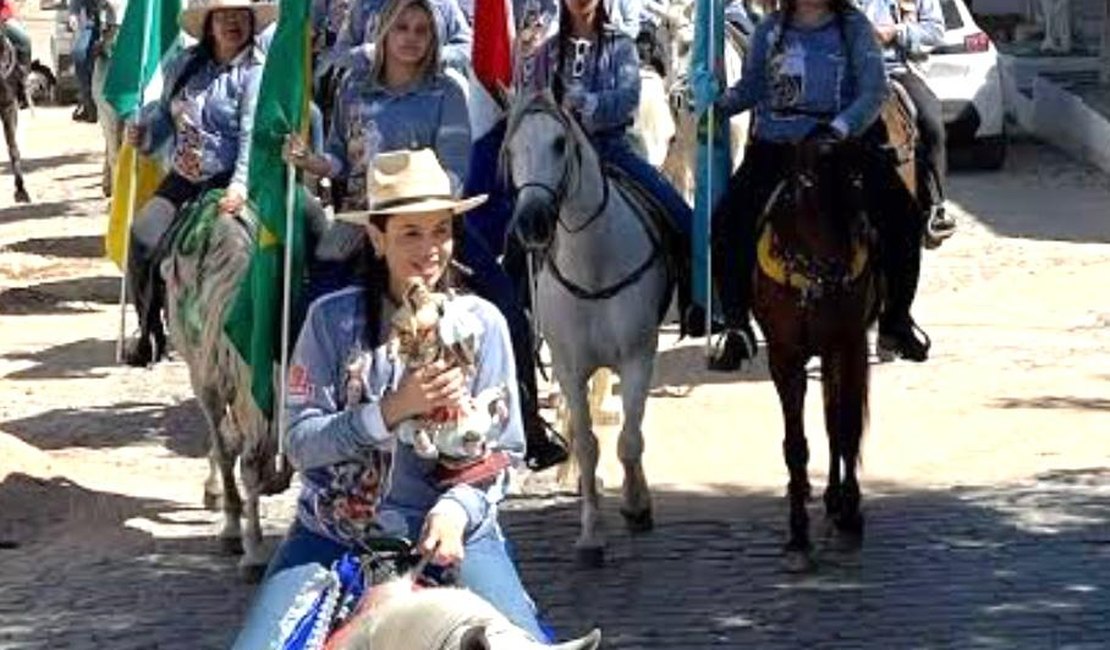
point(952, 18)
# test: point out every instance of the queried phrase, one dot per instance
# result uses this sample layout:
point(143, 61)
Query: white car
point(965, 75)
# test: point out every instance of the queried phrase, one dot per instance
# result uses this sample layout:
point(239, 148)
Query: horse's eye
point(560, 144)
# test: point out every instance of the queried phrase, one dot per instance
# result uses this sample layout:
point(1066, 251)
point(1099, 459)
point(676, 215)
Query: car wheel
point(989, 153)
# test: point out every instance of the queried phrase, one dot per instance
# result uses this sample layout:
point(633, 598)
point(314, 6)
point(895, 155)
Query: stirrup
point(939, 226)
point(722, 360)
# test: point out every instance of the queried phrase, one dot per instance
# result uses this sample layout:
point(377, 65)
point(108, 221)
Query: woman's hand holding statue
point(423, 390)
point(295, 151)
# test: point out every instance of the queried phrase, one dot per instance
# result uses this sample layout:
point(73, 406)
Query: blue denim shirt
point(354, 46)
point(605, 74)
point(208, 123)
point(810, 79)
point(357, 480)
point(369, 118)
point(913, 37)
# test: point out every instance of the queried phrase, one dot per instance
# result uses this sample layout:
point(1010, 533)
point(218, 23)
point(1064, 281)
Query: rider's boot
point(544, 447)
point(899, 335)
point(733, 257)
point(939, 225)
point(150, 345)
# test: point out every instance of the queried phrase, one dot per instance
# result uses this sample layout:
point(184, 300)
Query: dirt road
point(103, 543)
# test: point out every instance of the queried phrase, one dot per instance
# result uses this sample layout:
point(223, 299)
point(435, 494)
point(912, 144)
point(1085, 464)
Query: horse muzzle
point(534, 218)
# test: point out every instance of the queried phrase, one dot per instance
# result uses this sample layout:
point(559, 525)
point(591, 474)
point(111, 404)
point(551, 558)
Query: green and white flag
point(148, 36)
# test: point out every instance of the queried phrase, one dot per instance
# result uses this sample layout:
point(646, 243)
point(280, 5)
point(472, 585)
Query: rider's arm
point(154, 118)
point(869, 73)
point(928, 31)
point(752, 86)
point(456, 36)
point(248, 101)
point(319, 433)
point(610, 109)
point(452, 143)
point(494, 367)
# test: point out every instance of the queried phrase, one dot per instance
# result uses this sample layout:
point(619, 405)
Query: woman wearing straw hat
point(204, 117)
point(349, 394)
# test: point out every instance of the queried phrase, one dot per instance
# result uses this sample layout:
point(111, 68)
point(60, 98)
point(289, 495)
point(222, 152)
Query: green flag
point(147, 36)
point(254, 322)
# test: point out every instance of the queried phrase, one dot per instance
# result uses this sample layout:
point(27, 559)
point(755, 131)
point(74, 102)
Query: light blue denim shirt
point(357, 480)
point(832, 73)
point(606, 72)
point(913, 36)
point(354, 48)
point(369, 119)
point(208, 122)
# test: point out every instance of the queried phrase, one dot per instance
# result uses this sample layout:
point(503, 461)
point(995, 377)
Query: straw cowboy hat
point(401, 182)
point(192, 19)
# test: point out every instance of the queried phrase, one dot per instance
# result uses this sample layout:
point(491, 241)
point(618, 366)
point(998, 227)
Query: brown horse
point(11, 77)
point(816, 295)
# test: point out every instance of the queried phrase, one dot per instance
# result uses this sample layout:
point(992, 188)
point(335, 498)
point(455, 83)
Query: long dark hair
point(601, 19)
point(839, 8)
point(373, 275)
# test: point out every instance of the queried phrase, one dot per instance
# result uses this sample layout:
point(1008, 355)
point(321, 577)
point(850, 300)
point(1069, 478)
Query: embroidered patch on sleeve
point(299, 385)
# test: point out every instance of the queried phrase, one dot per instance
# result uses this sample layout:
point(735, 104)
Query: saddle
point(899, 116)
point(665, 233)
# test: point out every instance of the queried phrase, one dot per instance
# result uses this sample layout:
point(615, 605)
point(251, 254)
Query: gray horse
point(207, 263)
point(10, 78)
point(601, 289)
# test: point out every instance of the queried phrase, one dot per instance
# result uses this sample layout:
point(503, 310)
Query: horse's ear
point(474, 639)
point(589, 642)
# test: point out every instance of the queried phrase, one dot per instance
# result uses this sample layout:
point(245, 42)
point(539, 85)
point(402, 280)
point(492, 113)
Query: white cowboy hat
point(402, 182)
point(192, 18)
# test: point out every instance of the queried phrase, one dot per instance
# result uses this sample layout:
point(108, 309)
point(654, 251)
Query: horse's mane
point(544, 102)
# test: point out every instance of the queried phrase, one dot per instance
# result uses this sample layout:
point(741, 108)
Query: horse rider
point(906, 30)
point(85, 24)
point(349, 394)
point(594, 71)
point(354, 46)
point(815, 70)
point(205, 114)
point(17, 34)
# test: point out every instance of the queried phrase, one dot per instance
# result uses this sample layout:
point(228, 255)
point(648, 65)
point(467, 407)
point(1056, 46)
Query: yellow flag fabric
point(147, 179)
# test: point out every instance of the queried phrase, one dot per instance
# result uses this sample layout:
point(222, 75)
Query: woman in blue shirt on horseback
point(815, 70)
point(594, 71)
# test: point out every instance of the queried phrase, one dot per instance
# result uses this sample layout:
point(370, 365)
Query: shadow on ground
point(47, 210)
point(60, 296)
point(78, 575)
point(1023, 567)
point(181, 428)
point(84, 247)
point(77, 359)
point(1023, 202)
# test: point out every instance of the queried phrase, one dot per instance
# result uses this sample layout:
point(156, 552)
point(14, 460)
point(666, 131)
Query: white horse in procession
point(595, 310)
point(207, 263)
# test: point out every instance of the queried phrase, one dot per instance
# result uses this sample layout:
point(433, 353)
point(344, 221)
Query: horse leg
point(635, 383)
point(11, 120)
point(253, 563)
point(590, 547)
point(213, 488)
point(853, 405)
point(788, 373)
point(831, 378)
point(222, 458)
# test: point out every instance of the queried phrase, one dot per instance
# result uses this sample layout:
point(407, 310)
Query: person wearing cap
point(348, 395)
point(204, 117)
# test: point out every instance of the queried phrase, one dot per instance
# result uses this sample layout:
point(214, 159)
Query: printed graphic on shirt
point(299, 385)
point(346, 504)
point(788, 76)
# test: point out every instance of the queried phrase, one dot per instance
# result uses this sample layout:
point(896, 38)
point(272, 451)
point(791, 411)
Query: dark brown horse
point(10, 79)
point(816, 296)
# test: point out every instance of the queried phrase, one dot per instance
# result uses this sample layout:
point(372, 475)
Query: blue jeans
point(486, 569)
point(615, 150)
point(83, 61)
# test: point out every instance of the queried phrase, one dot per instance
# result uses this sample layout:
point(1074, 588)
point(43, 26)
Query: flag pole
point(286, 309)
point(710, 137)
point(132, 192)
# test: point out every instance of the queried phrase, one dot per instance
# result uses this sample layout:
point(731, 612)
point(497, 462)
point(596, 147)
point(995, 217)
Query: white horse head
point(444, 619)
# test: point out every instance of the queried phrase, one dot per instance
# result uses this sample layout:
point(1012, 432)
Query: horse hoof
point(638, 522)
point(590, 557)
point(21, 196)
point(231, 545)
point(252, 573)
point(797, 561)
point(850, 526)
